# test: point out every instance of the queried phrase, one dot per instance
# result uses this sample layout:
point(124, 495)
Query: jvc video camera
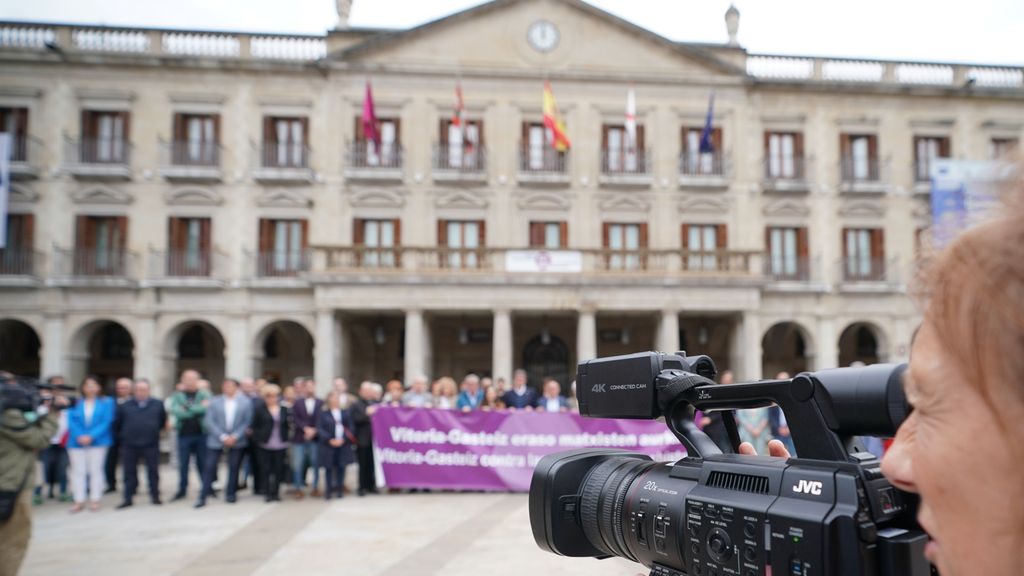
point(828, 511)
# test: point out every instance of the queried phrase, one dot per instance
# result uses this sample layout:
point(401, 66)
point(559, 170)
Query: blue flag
point(706, 145)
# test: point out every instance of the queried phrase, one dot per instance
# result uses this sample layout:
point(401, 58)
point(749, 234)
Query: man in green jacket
point(188, 407)
point(21, 435)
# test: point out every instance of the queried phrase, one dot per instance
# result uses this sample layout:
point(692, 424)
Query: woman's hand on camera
point(775, 448)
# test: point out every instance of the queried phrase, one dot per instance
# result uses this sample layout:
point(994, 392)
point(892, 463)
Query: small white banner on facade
point(563, 261)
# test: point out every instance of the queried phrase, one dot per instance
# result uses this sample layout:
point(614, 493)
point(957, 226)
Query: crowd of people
point(268, 436)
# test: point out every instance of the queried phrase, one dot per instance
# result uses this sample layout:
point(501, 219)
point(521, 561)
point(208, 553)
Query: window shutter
point(357, 131)
point(205, 233)
point(803, 249)
point(605, 229)
point(643, 236)
point(216, 129)
point(121, 227)
point(482, 233)
point(845, 146)
point(479, 132)
point(398, 131)
point(305, 233)
point(768, 240)
point(686, 236)
point(767, 144)
point(126, 118)
point(175, 237)
point(266, 238)
point(83, 236)
point(944, 147)
point(27, 232)
point(684, 142)
point(178, 128)
point(639, 137)
point(445, 124)
point(563, 234)
point(604, 136)
point(721, 237)
point(358, 232)
point(442, 233)
point(873, 147)
point(525, 136)
point(798, 144)
point(397, 223)
point(269, 134)
point(845, 244)
point(716, 139)
point(877, 244)
point(537, 234)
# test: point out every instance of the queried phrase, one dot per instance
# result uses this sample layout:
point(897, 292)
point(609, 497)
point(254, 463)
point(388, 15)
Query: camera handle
point(803, 400)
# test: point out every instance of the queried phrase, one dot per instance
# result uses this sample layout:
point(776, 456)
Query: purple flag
point(707, 146)
point(446, 449)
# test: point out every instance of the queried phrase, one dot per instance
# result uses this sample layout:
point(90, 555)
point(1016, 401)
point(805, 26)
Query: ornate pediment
point(862, 209)
point(193, 196)
point(284, 198)
point(624, 202)
point(376, 198)
point(786, 208)
point(705, 205)
point(461, 199)
point(544, 200)
point(20, 194)
point(101, 195)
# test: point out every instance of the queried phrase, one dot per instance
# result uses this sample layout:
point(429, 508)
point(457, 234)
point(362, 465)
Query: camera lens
point(603, 499)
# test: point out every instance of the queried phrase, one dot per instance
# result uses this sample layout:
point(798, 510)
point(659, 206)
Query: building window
point(1000, 148)
point(100, 245)
point(18, 256)
point(14, 121)
point(104, 137)
point(624, 244)
point(188, 242)
point(784, 152)
point(697, 163)
point(461, 242)
point(285, 142)
point(549, 235)
point(368, 154)
point(283, 247)
point(538, 155)
point(619, 155)
point(703, 244)
point(787, 253)
point(859, 157)
point(196, 138)
point(863, 254)
point(377, 240)
point(927, 149)
point(461, 146)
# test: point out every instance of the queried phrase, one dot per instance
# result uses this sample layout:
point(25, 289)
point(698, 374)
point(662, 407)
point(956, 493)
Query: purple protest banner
point(426, 448)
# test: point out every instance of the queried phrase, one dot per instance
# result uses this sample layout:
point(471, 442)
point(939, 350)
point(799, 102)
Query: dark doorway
point(547, 356)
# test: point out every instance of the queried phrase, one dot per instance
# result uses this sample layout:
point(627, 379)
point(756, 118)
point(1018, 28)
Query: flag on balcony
point(630, 120)
point(553, 121)
point(458, 117)
point(5, 166)
point(370, 131)
point(707, 146)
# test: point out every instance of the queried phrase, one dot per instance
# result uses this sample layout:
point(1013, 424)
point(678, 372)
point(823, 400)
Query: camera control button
point(749, 554)
point(749, 530)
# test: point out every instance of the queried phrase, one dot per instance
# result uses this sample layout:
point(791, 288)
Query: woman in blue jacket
point(89, 436)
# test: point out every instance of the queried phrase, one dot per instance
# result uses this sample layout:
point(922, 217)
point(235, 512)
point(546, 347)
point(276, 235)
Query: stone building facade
point(188, 198)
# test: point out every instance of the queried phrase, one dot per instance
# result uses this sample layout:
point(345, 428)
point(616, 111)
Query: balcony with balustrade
point(868, 275)
point(26, 159)
point(278, 268)
point(283, 163)
point(460, 164)
point(709, 170)
point(861, 176)
point(191, 161)
point(98, 158)
point(21, 267)
point(91, 267)
point(369, 162)
point(542, 166)
point(786, 175)
point(630, 168)
point(187, 269)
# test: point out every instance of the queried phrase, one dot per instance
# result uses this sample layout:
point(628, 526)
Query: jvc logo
point(808, 487)
point(597, 388)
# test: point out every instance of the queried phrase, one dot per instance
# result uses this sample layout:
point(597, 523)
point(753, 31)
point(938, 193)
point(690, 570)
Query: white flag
point(630, 120)
point(5, 178)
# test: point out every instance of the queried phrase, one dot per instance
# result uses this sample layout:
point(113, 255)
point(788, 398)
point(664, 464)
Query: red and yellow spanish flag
point(553, 121)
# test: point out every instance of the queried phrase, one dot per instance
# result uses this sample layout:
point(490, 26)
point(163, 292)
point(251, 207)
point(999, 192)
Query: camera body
point(830, 511)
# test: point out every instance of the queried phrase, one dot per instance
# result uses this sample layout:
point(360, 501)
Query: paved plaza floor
point(470, 534)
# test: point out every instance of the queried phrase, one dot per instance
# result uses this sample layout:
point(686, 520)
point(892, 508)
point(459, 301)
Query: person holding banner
point(445, 393)
point(336, 440)
point(553, 401)
point(520, 397)
point(362, 410)
point(472, 396)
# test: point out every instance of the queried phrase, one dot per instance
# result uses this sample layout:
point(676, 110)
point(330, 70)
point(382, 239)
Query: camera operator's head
point(962, 448)
point(90, 387)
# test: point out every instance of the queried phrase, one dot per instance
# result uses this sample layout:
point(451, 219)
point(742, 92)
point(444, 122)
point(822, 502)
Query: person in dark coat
point(271, 429)
point(137, 427)
point(336, 441)
point(521, 396)
point(362, 410)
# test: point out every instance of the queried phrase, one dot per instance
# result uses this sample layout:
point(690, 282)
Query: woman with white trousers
point(90, 424)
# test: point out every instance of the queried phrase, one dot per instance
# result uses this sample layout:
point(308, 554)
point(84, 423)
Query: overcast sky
point(981, 31)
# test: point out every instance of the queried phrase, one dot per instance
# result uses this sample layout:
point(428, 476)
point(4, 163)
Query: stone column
point(147, 352)
point(415, 349)
point(668, 332)
point(238, 351)
point(749, 355)
point(325, 350)
point(501, 355)
point(586, 336)
point(826, 345)
point(53, 362)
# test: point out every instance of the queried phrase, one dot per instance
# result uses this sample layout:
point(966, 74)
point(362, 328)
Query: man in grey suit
point(227, 419)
